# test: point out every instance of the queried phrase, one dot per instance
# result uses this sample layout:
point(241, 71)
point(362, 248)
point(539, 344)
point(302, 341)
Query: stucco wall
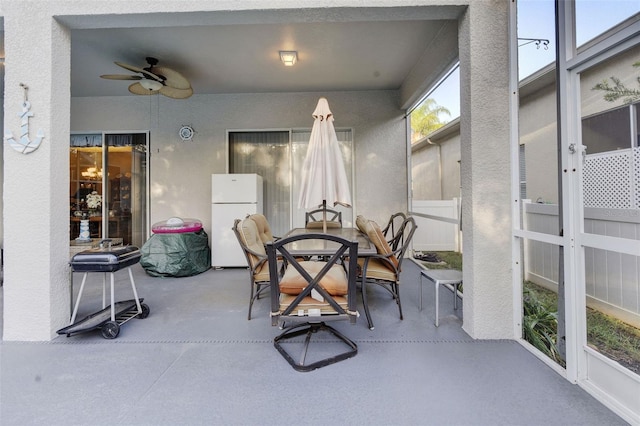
point(180, 171)
point(538, 132)
point(425, 173)
point(450, 154)
point(485, 171)
point(435, 170)
point(620, 66)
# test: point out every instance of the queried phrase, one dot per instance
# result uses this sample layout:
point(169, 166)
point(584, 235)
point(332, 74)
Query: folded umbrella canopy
point(324, 180)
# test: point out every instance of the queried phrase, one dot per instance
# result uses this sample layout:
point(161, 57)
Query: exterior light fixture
point(288, 58)
point(151, 85)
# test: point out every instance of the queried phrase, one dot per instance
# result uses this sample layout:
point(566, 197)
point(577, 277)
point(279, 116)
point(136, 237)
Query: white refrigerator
point(233, 196)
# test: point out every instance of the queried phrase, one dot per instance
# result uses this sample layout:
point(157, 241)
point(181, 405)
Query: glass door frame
point(293, 210)
point(602, 377)
point(597, 374)
point(570, 66)
point(105, 185)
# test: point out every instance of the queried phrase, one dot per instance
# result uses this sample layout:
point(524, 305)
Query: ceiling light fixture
point(288, 57)
point(149, 84)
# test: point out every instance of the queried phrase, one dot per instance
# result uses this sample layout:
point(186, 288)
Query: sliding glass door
point(267, 154)
point(108, 186)
point(277, 156)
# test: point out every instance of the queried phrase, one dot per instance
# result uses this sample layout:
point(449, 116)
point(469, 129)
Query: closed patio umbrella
point(324, 180)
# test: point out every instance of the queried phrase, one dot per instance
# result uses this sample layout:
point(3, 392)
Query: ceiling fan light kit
point(150, 84)
point(153, 79)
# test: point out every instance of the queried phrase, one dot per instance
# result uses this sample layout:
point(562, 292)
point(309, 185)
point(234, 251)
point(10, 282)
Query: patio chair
point(309, 294)
point(254, 250)
point(314, 219)
point(385, 266)
point(394, 225)
point(264, 229)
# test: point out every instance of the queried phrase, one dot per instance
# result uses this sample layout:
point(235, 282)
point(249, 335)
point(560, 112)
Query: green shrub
point(449, 260)
point(606, 334)
point(539, 326)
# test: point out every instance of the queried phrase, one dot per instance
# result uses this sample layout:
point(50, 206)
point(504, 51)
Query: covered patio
point(197, 360)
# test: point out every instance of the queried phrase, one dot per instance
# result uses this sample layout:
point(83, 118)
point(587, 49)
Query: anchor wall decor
point(25, 145)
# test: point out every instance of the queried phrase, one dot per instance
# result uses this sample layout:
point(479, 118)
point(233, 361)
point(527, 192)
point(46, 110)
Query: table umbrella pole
point(324, 216)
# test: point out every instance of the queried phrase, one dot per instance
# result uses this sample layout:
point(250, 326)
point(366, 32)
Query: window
point(114, 166)
point(266, 153)
point(609, 131)
point(278, 156)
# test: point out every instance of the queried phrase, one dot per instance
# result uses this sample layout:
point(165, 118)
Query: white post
point(36, 185)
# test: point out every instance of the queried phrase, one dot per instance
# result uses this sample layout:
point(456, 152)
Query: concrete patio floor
point(196, 360)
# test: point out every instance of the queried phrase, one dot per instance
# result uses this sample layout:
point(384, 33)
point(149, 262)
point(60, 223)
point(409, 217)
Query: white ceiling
point(237, 52)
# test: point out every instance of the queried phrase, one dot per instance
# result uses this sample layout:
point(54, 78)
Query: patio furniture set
point(313, 276)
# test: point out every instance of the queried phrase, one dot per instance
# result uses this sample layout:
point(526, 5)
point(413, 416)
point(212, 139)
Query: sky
point(536, 20)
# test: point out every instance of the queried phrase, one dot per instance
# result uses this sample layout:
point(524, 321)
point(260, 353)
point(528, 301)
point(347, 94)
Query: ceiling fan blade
point(120, 77)
point(172, 78)
point(137, 89)
point(138, 70)
point(175, 85)
point(176, 93)
point(128, 67)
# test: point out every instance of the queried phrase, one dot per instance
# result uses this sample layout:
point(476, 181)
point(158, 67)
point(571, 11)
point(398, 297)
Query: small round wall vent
point(186, 133)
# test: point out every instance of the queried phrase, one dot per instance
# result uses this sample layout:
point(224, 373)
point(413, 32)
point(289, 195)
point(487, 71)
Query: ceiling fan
point(153, 79)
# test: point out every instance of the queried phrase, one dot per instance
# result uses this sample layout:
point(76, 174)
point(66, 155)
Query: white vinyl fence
point(611, 190)
point(610, 278)
point(438, 225)
point(612, 179)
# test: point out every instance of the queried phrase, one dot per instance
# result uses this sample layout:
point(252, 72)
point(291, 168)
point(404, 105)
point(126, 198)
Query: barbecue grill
point(107, 260)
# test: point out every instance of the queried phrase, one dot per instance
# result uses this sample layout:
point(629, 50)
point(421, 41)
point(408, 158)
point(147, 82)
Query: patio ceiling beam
point(437, 59)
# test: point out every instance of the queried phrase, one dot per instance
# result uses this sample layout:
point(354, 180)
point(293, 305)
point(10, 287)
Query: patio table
point(326, 248)
point(442, 277)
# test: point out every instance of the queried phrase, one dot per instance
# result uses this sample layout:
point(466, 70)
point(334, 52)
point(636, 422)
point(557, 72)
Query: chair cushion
point(377, 238)
point(361, 223)
point(264, 230)
point(335, 281)
point(318, 225)
point(379, 269)
point(310, 303)
point(249, 233)
point(262, 273)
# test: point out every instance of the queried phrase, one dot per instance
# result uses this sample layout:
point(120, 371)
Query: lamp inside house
point(288, 57)
point(92, 173)
point(150, 85)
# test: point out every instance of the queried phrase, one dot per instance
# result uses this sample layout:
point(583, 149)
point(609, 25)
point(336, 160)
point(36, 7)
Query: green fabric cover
point(176, 255)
